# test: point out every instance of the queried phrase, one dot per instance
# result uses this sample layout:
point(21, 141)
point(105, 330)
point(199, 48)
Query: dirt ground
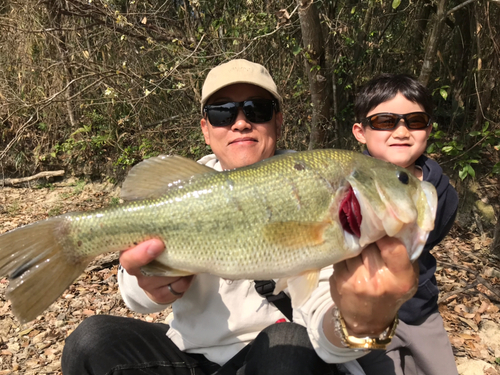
point(468, 276)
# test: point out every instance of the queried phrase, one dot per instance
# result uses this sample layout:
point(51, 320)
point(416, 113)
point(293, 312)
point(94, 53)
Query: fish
point(283, 218)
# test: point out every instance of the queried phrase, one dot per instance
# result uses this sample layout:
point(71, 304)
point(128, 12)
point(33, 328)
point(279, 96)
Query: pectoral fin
point(427, 206)
point(156, 268)
point(294, 234)
point(300, 287)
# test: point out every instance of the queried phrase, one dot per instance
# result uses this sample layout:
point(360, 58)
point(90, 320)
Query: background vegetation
point(94, 86)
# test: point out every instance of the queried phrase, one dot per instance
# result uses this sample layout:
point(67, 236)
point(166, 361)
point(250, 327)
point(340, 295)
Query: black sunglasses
point(388, 121)
point(257, 111)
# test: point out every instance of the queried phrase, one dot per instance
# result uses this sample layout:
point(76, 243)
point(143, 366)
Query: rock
point(473, 367)
point(487, 212)
point(490, 336)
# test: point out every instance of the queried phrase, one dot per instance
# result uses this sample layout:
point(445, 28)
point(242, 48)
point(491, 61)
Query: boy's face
point(242, 143)
point(400, 146)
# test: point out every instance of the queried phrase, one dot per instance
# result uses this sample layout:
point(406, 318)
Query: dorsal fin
point(152, 177)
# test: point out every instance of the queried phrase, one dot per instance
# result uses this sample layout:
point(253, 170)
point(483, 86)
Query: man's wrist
point(361, 342)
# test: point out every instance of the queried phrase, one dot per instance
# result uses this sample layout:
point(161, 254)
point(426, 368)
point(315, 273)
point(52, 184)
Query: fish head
point(384, 199)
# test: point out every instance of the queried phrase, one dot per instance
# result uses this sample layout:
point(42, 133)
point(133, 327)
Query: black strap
point(281, 300)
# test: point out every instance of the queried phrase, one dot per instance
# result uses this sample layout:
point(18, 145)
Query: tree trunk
point(54, 13)
point(432, 43)
point(314, 51)
point(424, 8)
point(365, 29)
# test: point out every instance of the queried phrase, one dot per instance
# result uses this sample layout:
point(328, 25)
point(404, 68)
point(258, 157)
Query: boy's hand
point(369, 289)
point(156, 287)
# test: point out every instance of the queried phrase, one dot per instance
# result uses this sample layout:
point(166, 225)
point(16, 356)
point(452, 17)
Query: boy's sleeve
point(445, 216)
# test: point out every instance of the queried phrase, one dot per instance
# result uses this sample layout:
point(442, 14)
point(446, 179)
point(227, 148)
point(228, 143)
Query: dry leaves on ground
point(468, 277)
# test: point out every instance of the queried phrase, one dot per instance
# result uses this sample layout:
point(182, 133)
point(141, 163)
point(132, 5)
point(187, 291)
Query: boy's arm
point(445, 217)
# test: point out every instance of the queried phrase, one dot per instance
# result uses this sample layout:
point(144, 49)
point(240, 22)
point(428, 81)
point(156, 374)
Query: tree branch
point(465, 3)
point(47, 174)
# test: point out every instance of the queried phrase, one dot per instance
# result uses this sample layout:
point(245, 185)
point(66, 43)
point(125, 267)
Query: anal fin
point(156, 268)
point(300, 287)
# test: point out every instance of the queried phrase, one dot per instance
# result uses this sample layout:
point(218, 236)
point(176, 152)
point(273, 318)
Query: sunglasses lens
point(388, 121)
point(222, 114)
point(258, 111)
point(417, 120)
point(383, 121)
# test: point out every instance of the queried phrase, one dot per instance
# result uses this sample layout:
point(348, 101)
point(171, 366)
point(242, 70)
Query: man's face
point(400, 146)
point(242, 143)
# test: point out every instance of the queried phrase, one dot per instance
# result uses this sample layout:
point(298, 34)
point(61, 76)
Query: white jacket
point(218, 317)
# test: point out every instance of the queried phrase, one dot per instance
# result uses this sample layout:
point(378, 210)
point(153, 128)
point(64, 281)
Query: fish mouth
point(350, 214)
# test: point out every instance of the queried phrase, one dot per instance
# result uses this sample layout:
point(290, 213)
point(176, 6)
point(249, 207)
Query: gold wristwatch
point(363, 343)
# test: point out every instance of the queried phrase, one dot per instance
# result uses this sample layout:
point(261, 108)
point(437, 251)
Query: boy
point(394, 114)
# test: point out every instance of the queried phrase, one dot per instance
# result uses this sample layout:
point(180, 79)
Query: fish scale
point(278, 218)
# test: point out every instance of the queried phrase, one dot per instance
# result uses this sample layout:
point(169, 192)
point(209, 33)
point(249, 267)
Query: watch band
point(363, 343)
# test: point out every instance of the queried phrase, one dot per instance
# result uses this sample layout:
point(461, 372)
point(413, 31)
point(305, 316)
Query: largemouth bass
point(282, 218)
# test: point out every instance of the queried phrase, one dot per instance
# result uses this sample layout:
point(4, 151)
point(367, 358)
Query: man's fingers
point(352, 264)
point(133, 259)
point(394, 254)
point(182, 284)
point(157, 287)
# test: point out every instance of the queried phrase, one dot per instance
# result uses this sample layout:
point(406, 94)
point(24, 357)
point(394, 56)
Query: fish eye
point(403, 177)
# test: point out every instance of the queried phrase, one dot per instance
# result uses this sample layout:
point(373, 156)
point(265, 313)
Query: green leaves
point(468, 151)
point(443, 93)
point(467, 169)
point(396, 4)
point(296, 50)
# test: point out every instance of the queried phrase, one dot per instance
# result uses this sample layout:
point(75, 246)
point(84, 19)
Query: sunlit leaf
point(296, 50)
point(470, 170)
point(496, 169)
point(443, 93)
point(396, 4)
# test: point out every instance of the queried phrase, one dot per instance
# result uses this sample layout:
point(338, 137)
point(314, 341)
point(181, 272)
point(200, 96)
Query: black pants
point(109, 345)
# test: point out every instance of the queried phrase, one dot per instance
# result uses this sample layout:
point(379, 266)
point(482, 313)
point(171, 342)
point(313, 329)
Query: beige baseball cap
point(238, 71)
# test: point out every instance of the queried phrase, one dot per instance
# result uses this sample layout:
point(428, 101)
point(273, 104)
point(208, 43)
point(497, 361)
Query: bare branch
point(465, 3)
point(46, 174)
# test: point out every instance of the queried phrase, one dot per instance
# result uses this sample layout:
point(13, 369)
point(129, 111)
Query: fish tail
point(39, 266)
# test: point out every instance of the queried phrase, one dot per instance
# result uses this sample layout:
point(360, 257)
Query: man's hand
point(369, 289)
point(156, 287)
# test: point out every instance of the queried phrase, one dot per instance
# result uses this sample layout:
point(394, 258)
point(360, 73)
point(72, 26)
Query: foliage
point(468, 152)
point(96, 86)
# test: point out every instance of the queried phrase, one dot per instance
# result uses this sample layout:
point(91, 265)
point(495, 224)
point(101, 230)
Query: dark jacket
point(424, 302)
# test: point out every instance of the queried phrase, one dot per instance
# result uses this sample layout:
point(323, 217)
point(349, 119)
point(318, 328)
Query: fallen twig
point(13, 181)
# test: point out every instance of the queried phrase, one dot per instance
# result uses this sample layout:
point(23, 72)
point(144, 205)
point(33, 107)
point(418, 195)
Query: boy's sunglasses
point(388, 121)
point(256, 111)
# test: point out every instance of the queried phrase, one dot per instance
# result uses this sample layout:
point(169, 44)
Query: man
point(224, 326)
